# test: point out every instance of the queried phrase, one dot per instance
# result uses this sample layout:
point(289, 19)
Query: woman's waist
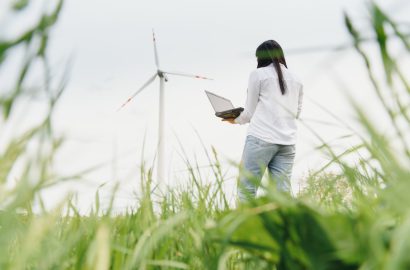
point(273, 134)
point(278, 123)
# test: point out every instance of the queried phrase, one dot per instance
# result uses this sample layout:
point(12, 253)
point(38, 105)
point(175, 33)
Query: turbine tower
point(162, 79)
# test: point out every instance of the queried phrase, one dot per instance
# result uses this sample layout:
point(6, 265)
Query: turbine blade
point(187, 75)
point(155, 49)
point(139, 90)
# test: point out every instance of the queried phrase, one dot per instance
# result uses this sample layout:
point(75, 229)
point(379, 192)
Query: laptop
point(223, 107)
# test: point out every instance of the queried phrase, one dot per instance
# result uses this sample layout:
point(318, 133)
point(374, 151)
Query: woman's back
point(274, 117)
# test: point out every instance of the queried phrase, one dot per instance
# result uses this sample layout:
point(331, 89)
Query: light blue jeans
point(257, 155)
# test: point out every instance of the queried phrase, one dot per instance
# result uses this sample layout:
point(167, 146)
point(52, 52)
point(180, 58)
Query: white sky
point(110, 45)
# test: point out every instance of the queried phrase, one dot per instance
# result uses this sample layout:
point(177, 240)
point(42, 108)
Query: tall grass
point(355, 219)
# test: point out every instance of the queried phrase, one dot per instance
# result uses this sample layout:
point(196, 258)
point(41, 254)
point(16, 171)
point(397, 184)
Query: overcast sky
point(109, 44)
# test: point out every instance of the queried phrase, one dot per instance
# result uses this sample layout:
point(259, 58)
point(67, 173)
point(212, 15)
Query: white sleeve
point(252, 99)
point(300, 102)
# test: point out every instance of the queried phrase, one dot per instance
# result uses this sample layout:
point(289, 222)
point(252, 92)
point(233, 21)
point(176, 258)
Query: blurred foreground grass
point(357, 218)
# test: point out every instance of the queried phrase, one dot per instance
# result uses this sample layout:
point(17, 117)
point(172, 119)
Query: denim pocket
point(250, 140)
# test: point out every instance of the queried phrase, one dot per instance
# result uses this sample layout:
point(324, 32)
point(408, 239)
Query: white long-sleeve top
point(271, 115)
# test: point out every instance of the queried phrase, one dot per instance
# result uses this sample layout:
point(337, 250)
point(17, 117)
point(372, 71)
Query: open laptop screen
point(219, 103)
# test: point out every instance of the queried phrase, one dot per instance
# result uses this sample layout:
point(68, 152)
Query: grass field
point(357, 218)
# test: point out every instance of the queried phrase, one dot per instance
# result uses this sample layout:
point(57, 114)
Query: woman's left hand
point(230, 120)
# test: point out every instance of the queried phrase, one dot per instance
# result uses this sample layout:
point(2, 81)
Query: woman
point(273, 103)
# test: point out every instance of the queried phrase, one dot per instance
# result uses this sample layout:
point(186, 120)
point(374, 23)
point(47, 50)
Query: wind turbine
point(162, 79)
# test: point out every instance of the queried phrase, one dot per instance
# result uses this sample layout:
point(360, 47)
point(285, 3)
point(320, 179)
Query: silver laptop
point(223, 107)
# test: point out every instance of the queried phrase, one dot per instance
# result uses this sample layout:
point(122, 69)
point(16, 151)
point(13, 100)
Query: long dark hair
point(271, 52)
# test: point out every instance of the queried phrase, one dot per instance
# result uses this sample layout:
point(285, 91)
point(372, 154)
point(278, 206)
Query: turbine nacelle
point(162, 74)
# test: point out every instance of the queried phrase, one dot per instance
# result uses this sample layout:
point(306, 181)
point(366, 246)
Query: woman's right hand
point(230, 120)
